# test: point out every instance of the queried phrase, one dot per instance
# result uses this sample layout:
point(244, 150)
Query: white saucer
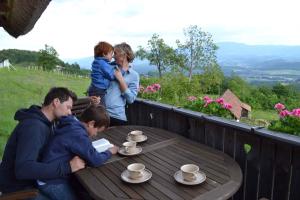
point(200, 178)
point(129, 138)
point(124, 153)
point(147, 174)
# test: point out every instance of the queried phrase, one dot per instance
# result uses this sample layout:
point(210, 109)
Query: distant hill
point(235, 56)
point(141, 66)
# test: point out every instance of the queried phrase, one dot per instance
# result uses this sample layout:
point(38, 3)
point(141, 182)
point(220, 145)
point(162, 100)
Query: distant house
point(6, 64)
point(239, 109)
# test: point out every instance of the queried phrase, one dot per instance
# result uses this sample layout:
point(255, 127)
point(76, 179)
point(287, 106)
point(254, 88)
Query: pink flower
point(279, 107)
point(220, 101)
point(150, 89)
point(192, 98)
point(296, 112)
point(208, 102)
point(156, 86)
point(284, 113)
point(227, 106)
point(206, 99)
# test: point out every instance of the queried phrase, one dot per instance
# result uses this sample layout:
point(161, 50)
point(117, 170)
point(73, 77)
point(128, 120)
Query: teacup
point(130, 147)
point(136, 170)
point(189, 172)
point(136, 135)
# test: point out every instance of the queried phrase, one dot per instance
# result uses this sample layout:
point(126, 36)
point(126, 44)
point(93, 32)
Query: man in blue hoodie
point(21, 166)
point(70, 138)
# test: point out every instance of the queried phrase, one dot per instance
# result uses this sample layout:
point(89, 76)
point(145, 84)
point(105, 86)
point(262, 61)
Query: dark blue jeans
point(58, 191)
point(93, 91)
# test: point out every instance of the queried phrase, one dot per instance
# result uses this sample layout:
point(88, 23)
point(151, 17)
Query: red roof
point(237, 105)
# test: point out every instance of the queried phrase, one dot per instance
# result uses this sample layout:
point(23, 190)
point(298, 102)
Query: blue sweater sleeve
point(31, 141)
point(107, 70)
point(82, 146)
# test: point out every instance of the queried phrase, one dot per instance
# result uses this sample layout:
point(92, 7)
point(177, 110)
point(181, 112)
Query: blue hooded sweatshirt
point(70, 139)
point(20, 166)
point(102, 73)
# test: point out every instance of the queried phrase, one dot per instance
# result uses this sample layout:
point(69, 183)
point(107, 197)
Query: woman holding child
point(125, 88)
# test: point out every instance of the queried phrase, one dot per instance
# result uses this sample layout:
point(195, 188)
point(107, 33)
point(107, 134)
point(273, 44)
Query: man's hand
point(113, 149)
point(76, 164)
point(95, 100)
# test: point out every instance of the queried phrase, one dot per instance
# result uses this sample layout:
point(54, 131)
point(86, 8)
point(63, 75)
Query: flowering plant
point(288, 122)
point(151, 92)
point(217, 107)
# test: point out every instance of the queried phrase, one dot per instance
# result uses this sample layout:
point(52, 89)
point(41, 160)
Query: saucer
point(129, 138)
point(147, 174)
point(124, 153)
point(201, 177)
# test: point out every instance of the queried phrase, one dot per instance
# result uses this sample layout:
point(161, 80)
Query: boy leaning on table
point(71, 137)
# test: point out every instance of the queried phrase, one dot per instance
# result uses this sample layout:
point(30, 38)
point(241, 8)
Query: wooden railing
point(271, 169)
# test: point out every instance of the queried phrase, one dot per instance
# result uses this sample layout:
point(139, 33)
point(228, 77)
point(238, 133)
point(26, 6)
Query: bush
point(209, 106)
point(288, 122)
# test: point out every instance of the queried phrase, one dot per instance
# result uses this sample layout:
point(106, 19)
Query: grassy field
point(23, 87)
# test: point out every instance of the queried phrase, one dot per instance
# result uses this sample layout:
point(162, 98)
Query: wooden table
point(163, 154)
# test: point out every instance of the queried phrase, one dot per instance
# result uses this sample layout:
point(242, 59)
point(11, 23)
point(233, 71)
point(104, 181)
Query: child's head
point(95, 118)
point(104, 49)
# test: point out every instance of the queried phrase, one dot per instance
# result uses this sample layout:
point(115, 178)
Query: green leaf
point(247, 148)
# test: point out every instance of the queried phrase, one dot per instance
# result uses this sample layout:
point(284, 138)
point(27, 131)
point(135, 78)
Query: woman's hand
point(118, 74)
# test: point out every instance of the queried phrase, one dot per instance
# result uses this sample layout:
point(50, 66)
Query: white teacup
point(136, 170)
point(189, 172)
point(130, 147)
point(136, 135)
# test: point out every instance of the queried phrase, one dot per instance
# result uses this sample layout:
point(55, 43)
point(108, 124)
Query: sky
point(74, 27)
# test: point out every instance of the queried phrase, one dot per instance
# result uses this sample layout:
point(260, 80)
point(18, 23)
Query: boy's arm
point(82, 146)
point(108, 71)
point(31, 140)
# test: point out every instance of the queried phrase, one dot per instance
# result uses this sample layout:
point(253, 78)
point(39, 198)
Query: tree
point(48, 58)
point(212, 79)
point(158, 53)
point(199, 49)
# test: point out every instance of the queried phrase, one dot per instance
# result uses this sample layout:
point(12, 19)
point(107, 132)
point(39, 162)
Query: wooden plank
point(282, 171)
point(196, 132)
point(252, 165)
point(295, 182)
point(209, 134)
point(106, 179)
point(229, 142)
point(267, 163)
point(93, 185)
point(240, 157)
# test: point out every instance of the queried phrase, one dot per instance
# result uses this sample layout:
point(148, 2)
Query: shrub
point(209, 106)
point(151, 92)
point(288, 122)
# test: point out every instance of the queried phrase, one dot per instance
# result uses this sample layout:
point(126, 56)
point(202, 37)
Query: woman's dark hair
point(62, 93)
point(96, 113)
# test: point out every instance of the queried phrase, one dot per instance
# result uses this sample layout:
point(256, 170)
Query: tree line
point(47, 59)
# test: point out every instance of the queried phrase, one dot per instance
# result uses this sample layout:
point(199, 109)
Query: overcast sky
point(73, 27)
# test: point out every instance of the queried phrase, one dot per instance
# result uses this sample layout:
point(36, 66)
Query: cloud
point(73, 27)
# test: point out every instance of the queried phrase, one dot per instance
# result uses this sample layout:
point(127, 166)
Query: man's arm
point(31, 140)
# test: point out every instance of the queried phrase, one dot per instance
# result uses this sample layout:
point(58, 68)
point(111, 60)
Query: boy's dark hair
point(102, 49)
point(96, 113)
point(61, 93)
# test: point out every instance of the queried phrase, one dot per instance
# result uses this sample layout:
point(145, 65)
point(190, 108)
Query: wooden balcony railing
point(271, 169)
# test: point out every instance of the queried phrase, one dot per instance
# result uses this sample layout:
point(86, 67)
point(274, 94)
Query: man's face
point(62, 109)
